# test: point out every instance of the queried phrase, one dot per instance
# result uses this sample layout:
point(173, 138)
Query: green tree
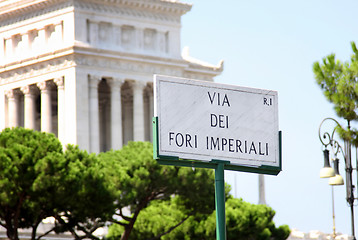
point(37, 180)
point(139, 180)
point(25, 187)
point(177, 202)
point(251, 221)
point(157, 221)
point(84, 194)
point(243, 221)
point(338, 82)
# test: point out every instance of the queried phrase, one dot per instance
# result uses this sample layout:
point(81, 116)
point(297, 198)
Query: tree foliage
point(84, 197)
point(39, 181)
point(244, 221)
point(27, 161)
point(178, 202)
point(83, 192)
point(338, 82)
point(142, 180)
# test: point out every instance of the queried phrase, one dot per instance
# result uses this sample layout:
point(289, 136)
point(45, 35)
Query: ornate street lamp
point(337, 179)
point(327, 139)
point(326, 171)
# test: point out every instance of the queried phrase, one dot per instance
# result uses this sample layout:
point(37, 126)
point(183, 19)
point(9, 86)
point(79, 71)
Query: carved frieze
point(163, 11)
point(129, 9)
point(124, 66)
point(127, 66)
point(35, 70)
point(198, 76)
point(21, 14)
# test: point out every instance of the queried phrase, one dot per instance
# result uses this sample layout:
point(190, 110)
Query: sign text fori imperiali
point(200, 120)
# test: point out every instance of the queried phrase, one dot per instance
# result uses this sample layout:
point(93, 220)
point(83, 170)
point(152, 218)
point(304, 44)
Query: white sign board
point(206, 121)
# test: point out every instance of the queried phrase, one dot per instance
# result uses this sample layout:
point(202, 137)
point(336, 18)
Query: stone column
point(161, 41)
point(41, 45)
point(61, 109)
point(138, 111)
point(13, 107)
point(94, 113)
point(139, 32)
point(2, 49)
point(29, 106)
point(8, 47)
point(117, 36)
point(93, 33)
point(25, 44)
point(59, 31)
point(116, 113)
point(46, 109)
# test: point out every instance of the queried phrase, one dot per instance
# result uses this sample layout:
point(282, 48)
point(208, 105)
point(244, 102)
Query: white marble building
point(83, 69)
point(316, 235)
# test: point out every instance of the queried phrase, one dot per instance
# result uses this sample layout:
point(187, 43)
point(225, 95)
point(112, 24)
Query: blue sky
point(272, 45)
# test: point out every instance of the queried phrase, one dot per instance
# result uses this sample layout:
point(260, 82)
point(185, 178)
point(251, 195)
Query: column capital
point(94, 80)
point(12, 93)
point(13, 107)
point(60, 82)
point(43, 86)
point(139, 85)
point(150, 86)
point(115, 82)
point(28, 90)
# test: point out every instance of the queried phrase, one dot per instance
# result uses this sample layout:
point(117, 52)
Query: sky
point(273, 45)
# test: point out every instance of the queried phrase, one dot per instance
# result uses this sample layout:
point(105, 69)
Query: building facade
point(317, 235)
point(83, 69)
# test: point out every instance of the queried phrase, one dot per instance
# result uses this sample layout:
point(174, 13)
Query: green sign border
point(175, 161)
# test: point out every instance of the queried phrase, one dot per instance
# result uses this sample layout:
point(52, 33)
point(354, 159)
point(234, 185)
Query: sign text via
point(216, 98)
point(219, 120)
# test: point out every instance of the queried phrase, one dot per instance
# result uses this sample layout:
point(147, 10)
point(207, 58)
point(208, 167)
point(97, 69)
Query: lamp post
point(327, 139)
point(333, 215)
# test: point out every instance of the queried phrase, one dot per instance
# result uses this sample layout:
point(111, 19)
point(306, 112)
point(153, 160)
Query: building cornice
point(19, 12)
point(120, 10)
point(16, 10)
point(187, 66)
point(199, 63)
point(167, 6)
point(36, 60)
point(35, 69)
point(107, 62)
point(130, 56)
point(17, 6)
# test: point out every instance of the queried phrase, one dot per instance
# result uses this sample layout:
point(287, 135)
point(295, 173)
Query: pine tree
point(339, 83)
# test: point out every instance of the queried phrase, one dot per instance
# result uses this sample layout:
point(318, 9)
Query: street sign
point(205, 121)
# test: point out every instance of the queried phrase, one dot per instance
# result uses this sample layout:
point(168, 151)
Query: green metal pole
point(220, 201)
